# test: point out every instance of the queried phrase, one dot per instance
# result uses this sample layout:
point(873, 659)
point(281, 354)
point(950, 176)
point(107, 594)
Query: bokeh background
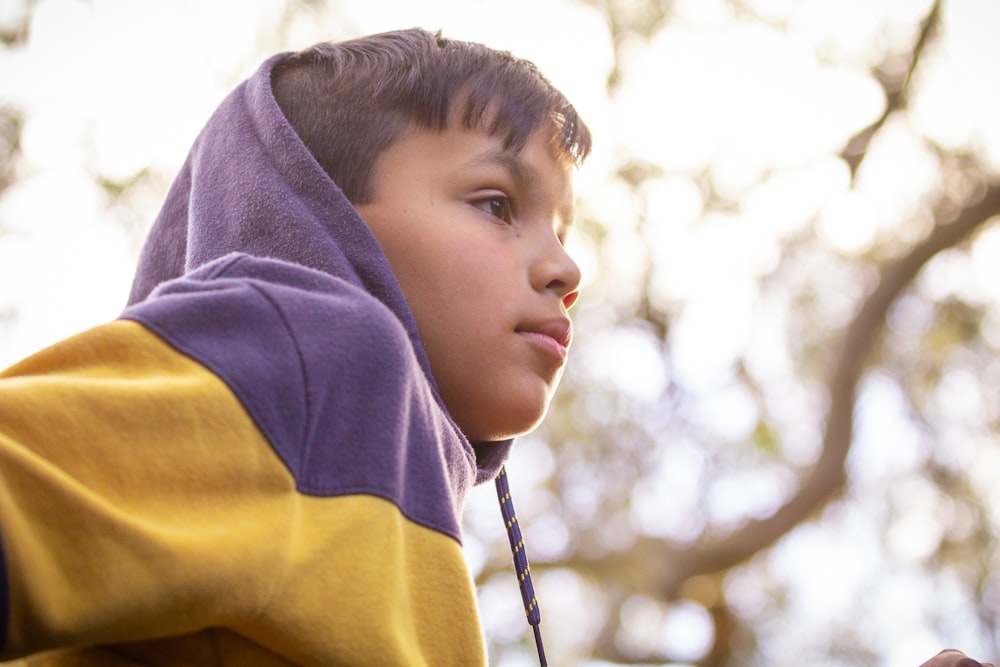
point(777, 441)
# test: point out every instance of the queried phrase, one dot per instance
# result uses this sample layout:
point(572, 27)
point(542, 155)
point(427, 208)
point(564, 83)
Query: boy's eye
point(497, 206)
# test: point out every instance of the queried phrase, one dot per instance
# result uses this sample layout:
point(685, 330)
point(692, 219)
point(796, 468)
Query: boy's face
point(474, 234)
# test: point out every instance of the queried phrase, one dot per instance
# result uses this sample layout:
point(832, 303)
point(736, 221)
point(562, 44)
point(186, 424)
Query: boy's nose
point(561, 275)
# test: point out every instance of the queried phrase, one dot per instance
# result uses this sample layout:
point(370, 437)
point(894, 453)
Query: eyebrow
point(526, 178)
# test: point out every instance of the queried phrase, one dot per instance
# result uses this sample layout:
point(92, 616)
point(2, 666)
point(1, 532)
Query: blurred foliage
point(10, 130)
point(643, 485)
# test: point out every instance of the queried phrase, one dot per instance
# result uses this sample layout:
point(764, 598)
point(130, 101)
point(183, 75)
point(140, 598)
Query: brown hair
point(349, 101)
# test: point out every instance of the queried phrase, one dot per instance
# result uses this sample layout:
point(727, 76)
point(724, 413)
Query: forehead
point(430, 162)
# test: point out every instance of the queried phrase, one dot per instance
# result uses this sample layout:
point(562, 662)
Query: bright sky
point(109, 87)
point(112, 86)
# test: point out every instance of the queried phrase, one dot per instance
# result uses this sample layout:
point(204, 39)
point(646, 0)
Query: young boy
point(354, 297)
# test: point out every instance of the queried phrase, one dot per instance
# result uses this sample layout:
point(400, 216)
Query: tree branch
point(895, 92)
point(664, 567)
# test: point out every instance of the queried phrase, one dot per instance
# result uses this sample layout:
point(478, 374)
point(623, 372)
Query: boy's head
point(460, 160)
point(349, 101)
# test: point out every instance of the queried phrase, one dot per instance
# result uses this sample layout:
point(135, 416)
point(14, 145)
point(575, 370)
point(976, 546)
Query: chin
point(506, 423)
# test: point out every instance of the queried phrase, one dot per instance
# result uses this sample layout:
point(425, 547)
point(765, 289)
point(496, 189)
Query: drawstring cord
point(520, 562)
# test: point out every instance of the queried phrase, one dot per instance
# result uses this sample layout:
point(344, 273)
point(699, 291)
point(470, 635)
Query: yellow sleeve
point(123, 495)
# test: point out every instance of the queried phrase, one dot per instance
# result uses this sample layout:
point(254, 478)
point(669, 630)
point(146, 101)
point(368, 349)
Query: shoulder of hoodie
point(309, 355)
point(269, 326)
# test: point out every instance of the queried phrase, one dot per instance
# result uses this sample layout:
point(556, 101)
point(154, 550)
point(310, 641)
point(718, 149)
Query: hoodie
point(252, 465)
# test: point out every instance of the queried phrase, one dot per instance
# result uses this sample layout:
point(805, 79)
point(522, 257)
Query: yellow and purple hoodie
point(252, 465)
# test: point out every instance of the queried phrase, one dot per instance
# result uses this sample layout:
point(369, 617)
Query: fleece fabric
point(253, 465)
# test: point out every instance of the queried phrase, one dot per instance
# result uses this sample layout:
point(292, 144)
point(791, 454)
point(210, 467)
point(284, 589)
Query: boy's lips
point(555, 335)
